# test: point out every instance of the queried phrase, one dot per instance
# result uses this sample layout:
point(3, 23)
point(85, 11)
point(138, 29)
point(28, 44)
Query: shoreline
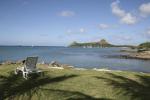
point(145, 55)
point(60, 66)
point(132, 54)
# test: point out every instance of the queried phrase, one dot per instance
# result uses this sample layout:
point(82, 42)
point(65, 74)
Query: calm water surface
point(79, 57)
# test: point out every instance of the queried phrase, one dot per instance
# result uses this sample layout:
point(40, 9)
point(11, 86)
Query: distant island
point(100, 44)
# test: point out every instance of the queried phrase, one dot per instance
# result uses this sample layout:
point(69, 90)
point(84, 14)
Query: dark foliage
point(134, 89)
point(15, 86)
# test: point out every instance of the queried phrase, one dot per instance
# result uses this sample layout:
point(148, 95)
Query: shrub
point(144, 46)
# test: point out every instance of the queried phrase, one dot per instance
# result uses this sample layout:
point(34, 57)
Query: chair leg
point(25, 75)
point(16, 72)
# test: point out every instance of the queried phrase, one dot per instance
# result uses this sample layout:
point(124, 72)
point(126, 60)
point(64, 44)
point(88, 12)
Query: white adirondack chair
point(28, 67)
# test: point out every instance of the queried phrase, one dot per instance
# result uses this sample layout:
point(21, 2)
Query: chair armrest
point(20, 68)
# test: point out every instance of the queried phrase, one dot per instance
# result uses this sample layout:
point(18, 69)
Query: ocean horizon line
point(32, 46)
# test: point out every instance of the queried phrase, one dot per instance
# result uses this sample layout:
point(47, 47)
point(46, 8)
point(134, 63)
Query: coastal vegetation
point(72, 84)
point(142, 51)
point(144, 46)
point(100, 44)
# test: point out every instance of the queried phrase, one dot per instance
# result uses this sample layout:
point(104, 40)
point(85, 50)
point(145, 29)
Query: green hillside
point(101, 43)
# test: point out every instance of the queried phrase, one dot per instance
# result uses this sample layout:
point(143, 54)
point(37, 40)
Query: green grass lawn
point(71, 84)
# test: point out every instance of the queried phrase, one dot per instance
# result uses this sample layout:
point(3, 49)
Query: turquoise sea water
point(79, 57)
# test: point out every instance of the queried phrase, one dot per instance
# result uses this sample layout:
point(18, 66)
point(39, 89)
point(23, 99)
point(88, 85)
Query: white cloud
point(123, 37)
point(103, 26)
point(125, 17)
point(128, 19)
point(82, 30)
point(69, 31)
point(117, 10)
point(147, 32)
point(145, 9)
point(67, 13)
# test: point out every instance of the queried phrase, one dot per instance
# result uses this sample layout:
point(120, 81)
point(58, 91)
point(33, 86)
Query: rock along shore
point(145, 55)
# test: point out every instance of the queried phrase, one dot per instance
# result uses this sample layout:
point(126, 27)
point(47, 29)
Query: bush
point(145, 46)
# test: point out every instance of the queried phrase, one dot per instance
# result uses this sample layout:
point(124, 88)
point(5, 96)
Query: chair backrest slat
point(31, 62)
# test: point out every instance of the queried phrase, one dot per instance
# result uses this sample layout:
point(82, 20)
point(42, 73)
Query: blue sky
point(60, 22)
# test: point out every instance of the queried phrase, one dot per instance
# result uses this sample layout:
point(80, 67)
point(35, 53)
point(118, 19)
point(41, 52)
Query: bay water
point(78, 57)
